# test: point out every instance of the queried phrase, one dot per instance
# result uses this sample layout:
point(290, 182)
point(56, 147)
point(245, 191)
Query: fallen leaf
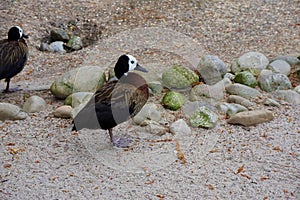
point(180, 154)
point(160, 196)
point(240, 169)
point(7, 166)
point(263, 178)
point(150, 182)
point(213, 150)
point(277, 148)
point(211, 187)
point(245, 175)
point(10, 144)
point(14, 151)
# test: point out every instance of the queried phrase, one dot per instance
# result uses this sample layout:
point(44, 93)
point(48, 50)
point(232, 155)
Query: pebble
point(63, 112)
point(204, 117)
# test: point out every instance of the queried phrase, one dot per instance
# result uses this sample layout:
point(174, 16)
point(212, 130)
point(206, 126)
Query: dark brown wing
point(13, 57)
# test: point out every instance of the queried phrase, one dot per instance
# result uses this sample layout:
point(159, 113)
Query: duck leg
point(7, 90)
point(120, 142)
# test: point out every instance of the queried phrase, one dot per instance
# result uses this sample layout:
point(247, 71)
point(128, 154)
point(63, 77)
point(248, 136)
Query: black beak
point(140, 68)
point(25, 36)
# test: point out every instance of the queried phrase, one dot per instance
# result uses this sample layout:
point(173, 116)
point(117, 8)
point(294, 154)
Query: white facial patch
point(20, 31)
point(132, 62)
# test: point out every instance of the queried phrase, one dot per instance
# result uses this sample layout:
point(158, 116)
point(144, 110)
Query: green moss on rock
point(173, 100)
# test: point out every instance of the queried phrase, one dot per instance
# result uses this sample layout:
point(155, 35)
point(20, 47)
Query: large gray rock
point(179, 77)
point(78, 98)
point(34, 104)
point(245, 78)
point(59, 35)
point(274, 81)
point(280, 66)
point(290, 96)
point(83, 79)
point(251, 118)
point(204, 117)
point(11, 112)
point(243, 91)
point(204, 92)
point(251, 61)
point(212, 69)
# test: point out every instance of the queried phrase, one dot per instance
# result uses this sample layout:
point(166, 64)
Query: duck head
point(15, 33)
point(125, 64)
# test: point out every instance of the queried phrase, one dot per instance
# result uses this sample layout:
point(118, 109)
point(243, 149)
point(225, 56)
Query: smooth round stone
point(280, 66)
point(34, 104)
point(63, 112)
point(173, 100)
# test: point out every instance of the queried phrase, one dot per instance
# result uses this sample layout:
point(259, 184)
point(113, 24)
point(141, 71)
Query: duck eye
point(132, 62)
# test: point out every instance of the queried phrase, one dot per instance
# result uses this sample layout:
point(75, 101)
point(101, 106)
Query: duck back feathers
point(114, 103)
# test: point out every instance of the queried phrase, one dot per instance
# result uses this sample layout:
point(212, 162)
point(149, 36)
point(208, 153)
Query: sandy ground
point(40, 158)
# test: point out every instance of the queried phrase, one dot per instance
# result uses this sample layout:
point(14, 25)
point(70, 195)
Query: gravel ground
point(42, 159)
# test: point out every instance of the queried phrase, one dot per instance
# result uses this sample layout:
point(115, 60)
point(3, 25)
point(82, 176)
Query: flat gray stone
point(243, 91)
point(240, 100)
point(289, 96)
point(251, 118)
point(271, 102)
point(11, 112)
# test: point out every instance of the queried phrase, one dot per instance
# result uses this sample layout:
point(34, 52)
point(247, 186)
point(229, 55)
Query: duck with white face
point(116, 101)
point(13, 54)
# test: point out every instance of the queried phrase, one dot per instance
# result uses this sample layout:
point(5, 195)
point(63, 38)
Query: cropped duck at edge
point(116, 101)
point(13, 54)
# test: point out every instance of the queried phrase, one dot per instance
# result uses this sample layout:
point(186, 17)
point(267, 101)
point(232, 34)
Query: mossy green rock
point(173, 100)
point(75, 43)
point(204, 117)
point(179, 77)
point(246, 78)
